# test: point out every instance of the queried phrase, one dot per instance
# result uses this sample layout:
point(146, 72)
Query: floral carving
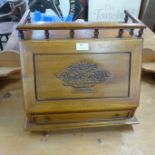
point(83, 75)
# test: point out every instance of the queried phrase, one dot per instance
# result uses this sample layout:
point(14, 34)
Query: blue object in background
point(39, 17)
point(47, 18)
point(69, 18)
point(36, 16)
point(57, 19)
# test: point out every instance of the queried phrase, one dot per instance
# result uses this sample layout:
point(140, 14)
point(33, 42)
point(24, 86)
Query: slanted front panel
point(60, 77)
point(81, 76)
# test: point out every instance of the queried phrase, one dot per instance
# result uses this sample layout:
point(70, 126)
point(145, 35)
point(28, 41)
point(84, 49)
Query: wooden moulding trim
point(74, 26)
point(55, 127)
point(33, 109)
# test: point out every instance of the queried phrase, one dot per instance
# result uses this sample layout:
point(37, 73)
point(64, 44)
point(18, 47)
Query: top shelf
point(25, 25)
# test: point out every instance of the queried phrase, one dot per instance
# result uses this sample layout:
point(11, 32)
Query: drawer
point(79, 117)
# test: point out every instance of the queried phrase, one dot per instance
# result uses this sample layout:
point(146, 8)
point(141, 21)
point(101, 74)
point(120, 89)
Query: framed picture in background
point(112, 10)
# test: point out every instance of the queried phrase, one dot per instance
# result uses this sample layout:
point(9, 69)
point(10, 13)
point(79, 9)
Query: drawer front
point(82, 76)
point(79, 117)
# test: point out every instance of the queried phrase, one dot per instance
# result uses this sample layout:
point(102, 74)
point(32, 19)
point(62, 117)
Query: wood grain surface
point(9, 63)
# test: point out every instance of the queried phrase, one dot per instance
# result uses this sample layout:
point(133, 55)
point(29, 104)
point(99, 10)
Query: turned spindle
point(47, 34)
point(72, 33)
point(132, 32)
point(120, 33)
point(21, 34)
point(140, 33)
point(96, 33)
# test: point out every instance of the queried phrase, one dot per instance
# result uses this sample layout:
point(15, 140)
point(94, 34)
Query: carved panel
point(83, 76)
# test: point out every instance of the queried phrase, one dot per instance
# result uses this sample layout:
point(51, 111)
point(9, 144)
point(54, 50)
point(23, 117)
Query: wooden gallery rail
point(25, 25)
point(74, 82)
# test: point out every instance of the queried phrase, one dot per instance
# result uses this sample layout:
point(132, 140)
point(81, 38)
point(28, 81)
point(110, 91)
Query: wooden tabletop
point(128, 140)
point(6, 71)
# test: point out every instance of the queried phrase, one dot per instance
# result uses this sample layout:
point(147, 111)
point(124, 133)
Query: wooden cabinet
point(76, 83)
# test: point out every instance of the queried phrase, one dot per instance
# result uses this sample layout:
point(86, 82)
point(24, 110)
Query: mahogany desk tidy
point(75, 75)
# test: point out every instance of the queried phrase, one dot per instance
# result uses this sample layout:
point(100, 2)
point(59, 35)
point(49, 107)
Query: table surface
point(127, 140)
